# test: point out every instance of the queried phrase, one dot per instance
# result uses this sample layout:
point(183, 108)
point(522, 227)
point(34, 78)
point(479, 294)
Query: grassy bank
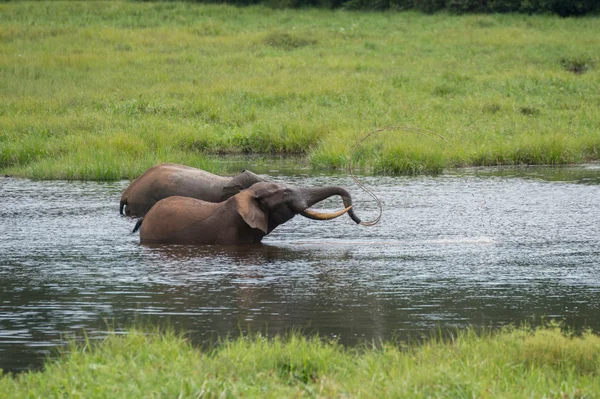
point(512, 363)
point(104, 90)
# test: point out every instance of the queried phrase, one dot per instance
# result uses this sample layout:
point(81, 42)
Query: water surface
point(479, 247)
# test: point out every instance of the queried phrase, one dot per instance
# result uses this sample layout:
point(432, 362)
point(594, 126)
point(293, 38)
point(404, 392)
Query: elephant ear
point(240, 182)
point(247, 207)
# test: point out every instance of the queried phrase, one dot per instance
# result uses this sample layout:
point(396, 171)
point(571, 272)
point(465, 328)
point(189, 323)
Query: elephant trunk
point(315, 195)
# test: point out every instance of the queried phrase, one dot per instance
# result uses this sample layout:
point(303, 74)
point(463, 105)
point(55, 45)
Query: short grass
point(103, 90)
point(511, 363)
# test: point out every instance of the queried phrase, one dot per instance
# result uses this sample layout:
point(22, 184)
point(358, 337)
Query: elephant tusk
point(323, 216)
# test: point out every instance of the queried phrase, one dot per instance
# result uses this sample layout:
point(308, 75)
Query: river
point(480, 247)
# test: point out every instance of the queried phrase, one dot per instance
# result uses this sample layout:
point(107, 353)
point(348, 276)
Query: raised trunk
point(315, 195)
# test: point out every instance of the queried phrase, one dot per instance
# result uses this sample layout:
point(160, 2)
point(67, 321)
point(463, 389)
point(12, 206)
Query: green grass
point(510, 363)
point(103, 90)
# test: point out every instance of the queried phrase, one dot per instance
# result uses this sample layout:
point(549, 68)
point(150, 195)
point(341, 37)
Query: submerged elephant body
point(181, 220)
point(244, 218)
point(167, 180)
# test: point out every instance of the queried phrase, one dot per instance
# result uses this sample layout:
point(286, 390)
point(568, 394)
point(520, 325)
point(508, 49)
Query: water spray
point(421, 132)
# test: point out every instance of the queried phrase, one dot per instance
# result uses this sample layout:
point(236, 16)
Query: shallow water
point(483, 247)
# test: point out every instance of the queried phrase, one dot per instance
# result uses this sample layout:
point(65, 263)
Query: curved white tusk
point(323, 216)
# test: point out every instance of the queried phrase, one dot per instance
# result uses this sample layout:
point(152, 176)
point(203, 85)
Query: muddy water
point(481, 248)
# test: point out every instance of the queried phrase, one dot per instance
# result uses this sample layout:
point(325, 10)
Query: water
point(484, 248)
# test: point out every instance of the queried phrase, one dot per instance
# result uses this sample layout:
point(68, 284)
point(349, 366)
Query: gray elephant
point(167, 180)
point(244, 218)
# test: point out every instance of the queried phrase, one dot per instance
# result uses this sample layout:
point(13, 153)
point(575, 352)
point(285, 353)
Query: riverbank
point(104, 90)
point(512, 363)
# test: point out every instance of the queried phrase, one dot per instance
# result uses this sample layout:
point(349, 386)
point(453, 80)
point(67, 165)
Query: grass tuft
point(287, 41)
point(577, 65)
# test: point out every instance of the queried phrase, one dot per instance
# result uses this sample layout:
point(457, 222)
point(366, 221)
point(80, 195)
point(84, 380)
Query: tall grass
point(511, 363)
point(82, 83)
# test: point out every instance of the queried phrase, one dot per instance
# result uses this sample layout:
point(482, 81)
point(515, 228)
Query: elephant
point(166, 180)
point(244, 218)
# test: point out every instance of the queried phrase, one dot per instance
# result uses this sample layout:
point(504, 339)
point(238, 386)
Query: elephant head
point(239, 182)
point(242, 219)
point(267, 205)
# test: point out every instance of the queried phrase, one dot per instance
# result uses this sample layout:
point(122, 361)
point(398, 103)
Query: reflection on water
point(486, 247)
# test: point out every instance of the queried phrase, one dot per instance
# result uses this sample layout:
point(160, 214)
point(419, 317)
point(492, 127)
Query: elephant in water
point(167, 180)
point(244, 218)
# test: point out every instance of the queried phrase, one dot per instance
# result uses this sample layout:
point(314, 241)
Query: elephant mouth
point(323, 215)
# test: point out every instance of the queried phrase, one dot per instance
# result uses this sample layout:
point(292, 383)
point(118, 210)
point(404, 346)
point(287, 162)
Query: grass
point(104, 90)
point(510, 363)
